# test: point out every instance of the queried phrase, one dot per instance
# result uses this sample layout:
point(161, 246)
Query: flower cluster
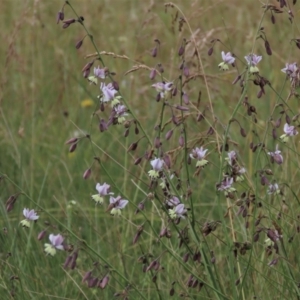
point(177, 209)
point(289, 131)
point(157, 165)
point(116, 204)
point(56, 242)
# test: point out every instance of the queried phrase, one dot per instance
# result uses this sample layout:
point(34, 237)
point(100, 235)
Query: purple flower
point(290, 69)
point(227, 59)
point(120, 113)
point(253, 60)
point(108, 92)
point(56, 243)
point(177, 212)
point(100, 73)
point(30, 215)
point(103, 190)
point(117, 204)
point(276, 156)
point(173, 201)
point(226, 186)
point(163, 88)
point(199, 154)
point(288, 131)
point(232, 158)
point(157, 165)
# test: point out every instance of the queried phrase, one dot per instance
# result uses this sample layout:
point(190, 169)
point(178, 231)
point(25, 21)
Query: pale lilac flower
point(288, 131)
point(120, 113)
point(157, 165)
point(103, 190)
point(273, 189)
point(173, 201)
point(30, 215)
point(56, 243)
point(199, 154)
point(100, 73)
point(228, 59)
point(253, 60)
point(226, 186)
point(276, 156)
point(290, 69)
point(117, 204)
point(178, 212)
point(163, 88)
point(232, 157)
point(108, 91)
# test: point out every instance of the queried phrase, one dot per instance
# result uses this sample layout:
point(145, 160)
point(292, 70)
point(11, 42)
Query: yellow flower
point(87, 103)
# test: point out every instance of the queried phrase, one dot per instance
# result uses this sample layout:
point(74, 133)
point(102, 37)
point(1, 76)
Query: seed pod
point(169, 134)
point(154, 52)
point(71, 141)
point(181, 141)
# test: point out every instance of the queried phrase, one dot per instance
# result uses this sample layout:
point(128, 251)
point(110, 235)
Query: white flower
point(30, 215)
point(56, 243)
point(199, 154)
point(100, 73)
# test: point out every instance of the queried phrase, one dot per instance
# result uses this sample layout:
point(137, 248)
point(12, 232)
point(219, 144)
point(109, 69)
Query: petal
point(122, 203)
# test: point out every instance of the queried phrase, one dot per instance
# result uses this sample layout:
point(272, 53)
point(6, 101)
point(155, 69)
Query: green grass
point(41, 94)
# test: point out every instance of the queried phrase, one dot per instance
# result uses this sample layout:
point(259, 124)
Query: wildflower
point(108, 92)
point(100, 73)
point(227, 59)
point(116, 101)
point(273, 189)
point(199, 154)
point(87, 103)
point(117, 204)
point(276, 156)
point(288, 131)
point(226, 186)
point(103, 190)
point(232, 158)
point(56, 243)
point(253, 60)
point(290, 69)
point(120, 113)
point(177, 212)
point(157, 165)
point(30, 215)
point(240, 177)
point(173, 201)
point(163, 88)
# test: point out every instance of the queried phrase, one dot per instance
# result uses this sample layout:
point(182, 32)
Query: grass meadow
point(234, 230)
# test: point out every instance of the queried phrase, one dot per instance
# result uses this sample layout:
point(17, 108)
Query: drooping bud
point(268, 48)
point(210, 51)
point(132, 147)
point(71, 141)
point(86, 276)
point(181, 141)
point(67, 261)
point(154, 52)
point(152, 74)
point(92, 282)
point(73, 147)
point(87, 173)
point(169, 134)
point(103, 282)
point(42, 234)
point(79, 44)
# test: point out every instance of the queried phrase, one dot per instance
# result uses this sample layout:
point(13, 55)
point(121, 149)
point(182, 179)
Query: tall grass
point(232, 243)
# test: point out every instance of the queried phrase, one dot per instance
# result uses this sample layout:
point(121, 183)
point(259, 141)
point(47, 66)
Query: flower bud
point(152, 74)
point(169, 134)
point(73, 147)
point(71, 141)
point(154, 52)
point(86, 276)
point(103, 282)
point(87, 173)
point(42, 234)
point(210, 51)
point(79, 44)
